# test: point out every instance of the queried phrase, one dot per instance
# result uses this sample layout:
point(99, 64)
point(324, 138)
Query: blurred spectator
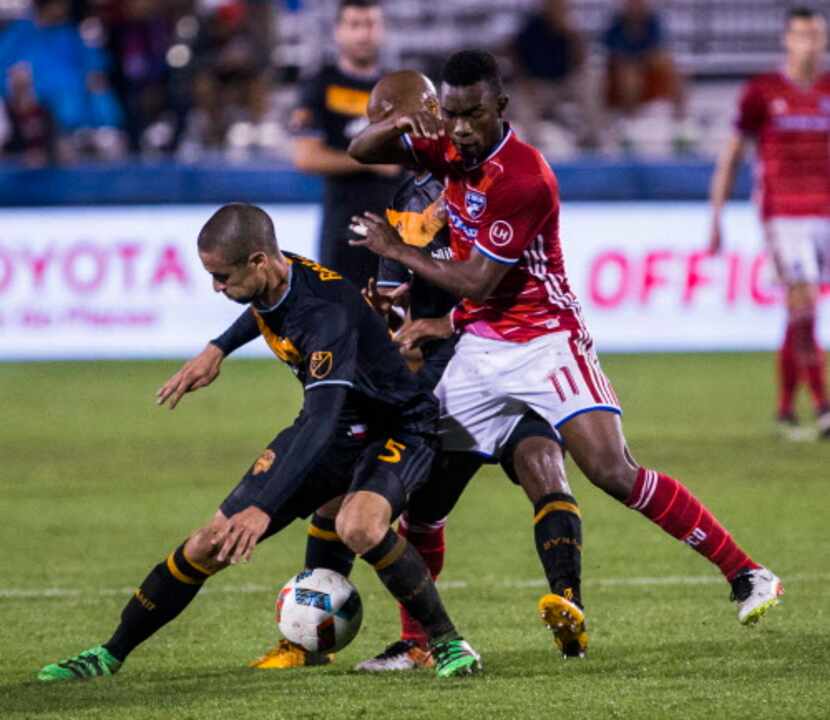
point(68, 76)
point(32, 128)
point(640, 68)
point(332, 110)
point(232, 84)
point(553, 81)
point(140, 34)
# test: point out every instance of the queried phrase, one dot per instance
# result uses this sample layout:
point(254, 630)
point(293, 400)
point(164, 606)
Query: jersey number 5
point(393, 454)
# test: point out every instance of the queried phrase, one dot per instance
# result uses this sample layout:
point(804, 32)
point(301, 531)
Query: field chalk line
point(59, 593)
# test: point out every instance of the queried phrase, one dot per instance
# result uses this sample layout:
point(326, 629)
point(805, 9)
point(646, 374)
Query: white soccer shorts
point(800, 248)
point(490, 384)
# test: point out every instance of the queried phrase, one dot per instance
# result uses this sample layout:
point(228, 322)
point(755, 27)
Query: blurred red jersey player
point(787, 115)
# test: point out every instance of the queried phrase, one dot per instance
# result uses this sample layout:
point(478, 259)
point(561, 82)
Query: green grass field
point(98, 485)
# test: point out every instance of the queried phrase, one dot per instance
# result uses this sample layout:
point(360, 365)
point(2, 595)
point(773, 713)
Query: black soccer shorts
point(393, 466)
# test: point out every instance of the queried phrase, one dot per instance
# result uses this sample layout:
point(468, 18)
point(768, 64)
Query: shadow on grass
point(194, 687)
point(770, 656)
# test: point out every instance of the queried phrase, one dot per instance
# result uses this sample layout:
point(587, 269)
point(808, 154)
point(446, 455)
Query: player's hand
point(416, 332)
point(376, 234)
point(382, 302)
point(238, 539)
point(196, 373)
point(715, 236)
point(420, 124)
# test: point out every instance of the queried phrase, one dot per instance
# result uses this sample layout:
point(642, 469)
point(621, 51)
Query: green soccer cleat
point(92, 663)
point(455, 657)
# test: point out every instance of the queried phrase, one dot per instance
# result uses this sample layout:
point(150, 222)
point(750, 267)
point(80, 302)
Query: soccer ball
point(320, 610)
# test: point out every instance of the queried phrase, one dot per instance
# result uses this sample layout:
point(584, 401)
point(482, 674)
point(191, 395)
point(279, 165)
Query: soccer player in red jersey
point(787, 115)
point(524, 344)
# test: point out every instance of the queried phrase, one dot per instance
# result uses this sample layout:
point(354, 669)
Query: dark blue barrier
point(163, 183)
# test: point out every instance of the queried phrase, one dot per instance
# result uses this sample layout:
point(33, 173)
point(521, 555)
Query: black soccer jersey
point(328, 335)
point(416, 214)
point(324, 330)
point(334, 109)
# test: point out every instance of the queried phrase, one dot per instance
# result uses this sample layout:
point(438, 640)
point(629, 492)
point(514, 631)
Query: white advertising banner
point(127, 282)
point(117, 282)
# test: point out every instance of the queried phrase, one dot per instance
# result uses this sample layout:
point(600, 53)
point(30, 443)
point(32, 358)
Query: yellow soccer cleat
point(567, 622)
point(288, 655)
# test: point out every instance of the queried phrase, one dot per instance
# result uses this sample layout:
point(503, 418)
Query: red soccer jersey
point(506, 207)
point(791, 125)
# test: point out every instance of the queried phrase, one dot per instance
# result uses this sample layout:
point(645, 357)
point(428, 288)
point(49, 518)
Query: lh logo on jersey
point(320, 364)
point(501, 233)
point(475, 203)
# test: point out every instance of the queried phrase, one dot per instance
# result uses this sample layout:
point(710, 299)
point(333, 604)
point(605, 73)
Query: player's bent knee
point(360, 537)
point(361, 525)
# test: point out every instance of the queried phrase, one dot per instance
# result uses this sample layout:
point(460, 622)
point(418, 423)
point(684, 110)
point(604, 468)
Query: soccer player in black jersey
point(366, 433)
point(330, 112)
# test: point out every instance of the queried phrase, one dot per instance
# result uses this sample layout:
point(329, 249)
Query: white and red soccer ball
point(320, 610)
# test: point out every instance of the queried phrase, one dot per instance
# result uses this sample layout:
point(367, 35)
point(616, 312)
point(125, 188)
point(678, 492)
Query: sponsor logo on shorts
point(320, 364)
point(264, 462)
point(501, 233)
point(475, 203)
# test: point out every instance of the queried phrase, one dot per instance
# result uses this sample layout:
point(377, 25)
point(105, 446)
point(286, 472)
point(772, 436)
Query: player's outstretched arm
point(475, 278)
point(381, 141)
point(202, 370)
point(197, 373)
point(723, 181)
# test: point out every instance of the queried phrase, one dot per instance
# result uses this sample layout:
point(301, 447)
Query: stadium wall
point(125, 281)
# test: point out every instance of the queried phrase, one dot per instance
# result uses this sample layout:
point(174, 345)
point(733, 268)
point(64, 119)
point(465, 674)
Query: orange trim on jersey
point(418, 228)
point(346, 101)
point(283, 348)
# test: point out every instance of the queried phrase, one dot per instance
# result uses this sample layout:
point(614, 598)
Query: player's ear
point(501, 103)
point(257, 259)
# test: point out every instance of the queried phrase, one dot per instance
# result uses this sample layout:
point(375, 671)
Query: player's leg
point(802, 302)
point(534, 459)
point(162, 596)
point(324, 548)
point(387, 475)
point(795, 245)
point(596, 442)
point(422, 525)
point(330, 478)
point(174, 582)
